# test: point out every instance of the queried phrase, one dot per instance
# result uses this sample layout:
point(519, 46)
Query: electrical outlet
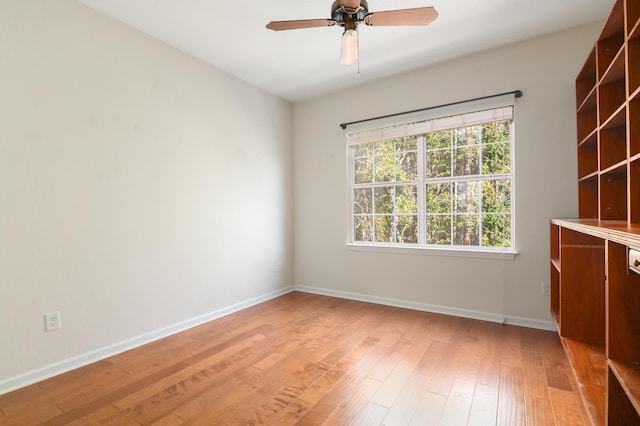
point(51, 321)
point(545, 289)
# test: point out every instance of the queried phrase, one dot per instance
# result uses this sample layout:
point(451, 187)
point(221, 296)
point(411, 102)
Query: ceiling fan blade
point(405, 17)
point(299, 24)
point(350, 5)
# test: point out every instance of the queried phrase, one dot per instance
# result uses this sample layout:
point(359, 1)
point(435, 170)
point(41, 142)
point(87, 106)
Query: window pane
point(467, 161)
point(496, 195)
point(438, 163)
point(364, 150)
point(383, 199)
point(363, 228)
point(384, 147)
point(363, 170)
point(384, 229)
point(496, 230)
point(466, 136)
point(409, 143)
point(498, 131)
point(407, 229)
point(466, 230)
point(407, 164)
point(385, 168)
point(441, 139)
point(467, 197)
point(406, 199)
point(363, 201)
point(439, 229)
point(439, 198)
point(496, 158)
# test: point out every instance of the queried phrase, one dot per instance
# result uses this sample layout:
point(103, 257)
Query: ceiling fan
point(349, 13)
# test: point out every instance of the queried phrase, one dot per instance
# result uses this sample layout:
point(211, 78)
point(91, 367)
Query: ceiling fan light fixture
point(349, 47)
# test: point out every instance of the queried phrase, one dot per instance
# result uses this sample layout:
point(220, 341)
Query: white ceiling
point(302, 64)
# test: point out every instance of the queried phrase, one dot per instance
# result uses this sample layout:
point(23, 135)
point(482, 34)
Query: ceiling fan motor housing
point(342, 16)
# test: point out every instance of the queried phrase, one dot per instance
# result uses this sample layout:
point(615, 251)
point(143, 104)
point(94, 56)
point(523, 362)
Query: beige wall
point(545, 156)
point(139, 187)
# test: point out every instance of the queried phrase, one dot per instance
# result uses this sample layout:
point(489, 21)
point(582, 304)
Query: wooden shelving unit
point(595, 297)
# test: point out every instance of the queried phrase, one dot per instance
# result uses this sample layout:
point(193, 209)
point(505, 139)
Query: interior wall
point(139, 187)
point(545, 185)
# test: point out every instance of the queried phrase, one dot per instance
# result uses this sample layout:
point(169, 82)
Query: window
point(441, 183)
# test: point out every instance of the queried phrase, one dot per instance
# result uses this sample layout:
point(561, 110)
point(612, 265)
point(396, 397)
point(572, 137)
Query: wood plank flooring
point(311, 360)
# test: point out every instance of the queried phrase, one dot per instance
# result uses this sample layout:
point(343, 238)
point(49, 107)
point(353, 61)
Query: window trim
point(499, 253)
point(505, 253)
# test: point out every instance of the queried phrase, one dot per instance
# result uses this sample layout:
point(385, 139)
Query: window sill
point(501, 254)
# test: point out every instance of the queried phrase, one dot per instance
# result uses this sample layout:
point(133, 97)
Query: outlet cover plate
point(545, 289)
point(51, 321)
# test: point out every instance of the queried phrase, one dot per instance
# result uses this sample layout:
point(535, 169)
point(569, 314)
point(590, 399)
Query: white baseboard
point(531, 323)
point(438, 309)
point(34, 376)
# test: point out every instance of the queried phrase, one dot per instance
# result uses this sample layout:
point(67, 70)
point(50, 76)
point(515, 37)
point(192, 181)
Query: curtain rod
point(517, 93)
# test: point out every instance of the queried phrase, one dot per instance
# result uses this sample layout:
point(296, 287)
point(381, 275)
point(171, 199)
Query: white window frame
point(418, 124)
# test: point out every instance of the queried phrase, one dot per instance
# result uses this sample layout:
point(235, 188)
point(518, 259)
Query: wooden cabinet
point(595, 297)
point(578, 305)
point(595, 302)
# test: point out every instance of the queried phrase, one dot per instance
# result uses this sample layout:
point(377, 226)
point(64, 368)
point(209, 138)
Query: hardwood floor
point(307, 359)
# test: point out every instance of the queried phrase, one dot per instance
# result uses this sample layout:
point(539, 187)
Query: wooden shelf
point(622, 403)
point(608, 50)
point(555, 243)
point(588, 197)
point(615, 168)
point(633, 56)
point(624, 304)
point(555, 292)
point(588, 156)
point(587, 117)
point(619, 398)
point(634, 127)
point(589, 366)
point(611, 38)
point(590, 176)
point(618, 231)
point(554, 283)
point(634, 191)
point(613, 140)
point(613, 193)
point(628, 378)
point(586, 81)
point(612, 90)
point(633, 18)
